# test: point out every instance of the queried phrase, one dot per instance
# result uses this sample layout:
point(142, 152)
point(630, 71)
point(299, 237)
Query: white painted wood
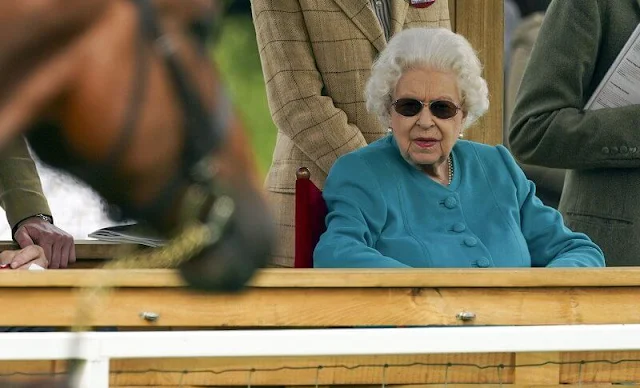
point(319, 342)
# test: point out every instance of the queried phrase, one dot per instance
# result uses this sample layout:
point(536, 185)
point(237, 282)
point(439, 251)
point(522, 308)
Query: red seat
point(309, 217)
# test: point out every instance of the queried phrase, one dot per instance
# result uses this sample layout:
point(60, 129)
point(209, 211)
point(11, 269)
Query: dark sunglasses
point(410, 107)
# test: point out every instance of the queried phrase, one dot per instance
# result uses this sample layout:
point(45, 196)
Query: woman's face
point(424, 139)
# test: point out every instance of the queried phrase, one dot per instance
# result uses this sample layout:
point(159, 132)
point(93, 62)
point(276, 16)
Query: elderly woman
point(421, 197)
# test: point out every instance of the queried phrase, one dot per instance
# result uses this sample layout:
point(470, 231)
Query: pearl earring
point(460, 135)
point(389, 130)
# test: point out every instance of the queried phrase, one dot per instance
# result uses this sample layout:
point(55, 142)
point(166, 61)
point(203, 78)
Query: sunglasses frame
point(429, 104)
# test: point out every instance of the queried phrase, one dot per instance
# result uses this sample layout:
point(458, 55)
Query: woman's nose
point(425, 118)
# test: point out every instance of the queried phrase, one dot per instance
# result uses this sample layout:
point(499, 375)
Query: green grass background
point(236, 54)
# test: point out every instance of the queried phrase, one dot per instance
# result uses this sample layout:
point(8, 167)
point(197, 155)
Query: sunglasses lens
point(443, 109)
point(408, 107)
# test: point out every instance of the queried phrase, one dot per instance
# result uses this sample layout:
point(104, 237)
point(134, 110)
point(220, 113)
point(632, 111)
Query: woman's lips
point(425, 142)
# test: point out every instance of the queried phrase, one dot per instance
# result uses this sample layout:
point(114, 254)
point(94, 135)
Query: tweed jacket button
point(459, 227)
point(624, 149)
point(483, 263)
point(633, 150)
point(470, 241)
point(451, 202)
point(614, 150)
point(605, 150)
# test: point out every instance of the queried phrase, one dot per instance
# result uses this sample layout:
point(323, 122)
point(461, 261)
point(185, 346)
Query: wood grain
point(87, 249)
point(596, 369)
point(344, 278)
point(482, 23)
point(412, 371)
point(537, 374)
point(322, 307)
point(369, 372)
point(296, 371)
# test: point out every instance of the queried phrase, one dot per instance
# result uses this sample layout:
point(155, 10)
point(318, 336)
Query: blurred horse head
point(122, 94)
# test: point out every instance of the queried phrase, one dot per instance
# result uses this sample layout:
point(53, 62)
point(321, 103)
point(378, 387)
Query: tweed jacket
point(316, 58)
point(383, 212)
point(577, 43)
point(20, 188)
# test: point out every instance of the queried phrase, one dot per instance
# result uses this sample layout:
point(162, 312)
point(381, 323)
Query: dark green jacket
point(578, 42)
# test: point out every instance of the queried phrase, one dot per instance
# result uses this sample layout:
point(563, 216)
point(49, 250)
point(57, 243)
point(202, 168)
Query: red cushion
point(310, 214)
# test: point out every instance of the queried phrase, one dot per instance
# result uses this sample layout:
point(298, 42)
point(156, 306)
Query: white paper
point(129, 234)
point(621, 85)
point(35, 267)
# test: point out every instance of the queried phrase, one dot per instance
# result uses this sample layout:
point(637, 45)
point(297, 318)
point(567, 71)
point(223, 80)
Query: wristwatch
point(44, 217)
point(41, 216)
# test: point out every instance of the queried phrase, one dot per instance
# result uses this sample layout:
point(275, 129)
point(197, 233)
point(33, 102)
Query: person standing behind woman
point(316, 57)
point(577, 44)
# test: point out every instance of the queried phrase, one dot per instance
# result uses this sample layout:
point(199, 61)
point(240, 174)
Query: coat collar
point(364, 17)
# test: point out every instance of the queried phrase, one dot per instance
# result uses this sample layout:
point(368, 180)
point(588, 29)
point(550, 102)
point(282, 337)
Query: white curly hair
point(436, 48)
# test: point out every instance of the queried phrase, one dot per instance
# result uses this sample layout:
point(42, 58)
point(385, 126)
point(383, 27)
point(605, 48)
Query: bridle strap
point(198, 141)
point(204, 131)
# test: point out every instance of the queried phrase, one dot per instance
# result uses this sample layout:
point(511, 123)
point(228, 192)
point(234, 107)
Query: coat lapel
point(398, 14)
point(364, 17)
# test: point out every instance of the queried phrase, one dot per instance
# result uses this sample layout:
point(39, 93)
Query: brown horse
point(122, 94)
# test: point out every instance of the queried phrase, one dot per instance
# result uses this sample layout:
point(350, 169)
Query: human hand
point(58, 245)
point(23, 258)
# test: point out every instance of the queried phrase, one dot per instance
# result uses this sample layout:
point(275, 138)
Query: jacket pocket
point(617, 238)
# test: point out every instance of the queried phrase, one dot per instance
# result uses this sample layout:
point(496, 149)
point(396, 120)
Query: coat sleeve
point(21, 193)
point(551, 244)
point(549, 126)
point(356, 215)
point(295, 87)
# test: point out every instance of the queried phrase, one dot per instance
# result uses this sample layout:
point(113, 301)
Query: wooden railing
point(314, 298)
point(321, 298)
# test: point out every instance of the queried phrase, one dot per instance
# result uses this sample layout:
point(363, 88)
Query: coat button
point(614, 150)
point(483, 263)
point(450, 202)
point(633, 150)
point(624, 149)
point(605, 150)
point(459, 227)
point(470, 241)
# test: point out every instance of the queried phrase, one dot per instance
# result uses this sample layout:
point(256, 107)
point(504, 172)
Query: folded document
point(621, 85)
point(129, 234)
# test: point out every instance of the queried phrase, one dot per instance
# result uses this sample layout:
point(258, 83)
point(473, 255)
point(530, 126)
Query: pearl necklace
point(450, 160)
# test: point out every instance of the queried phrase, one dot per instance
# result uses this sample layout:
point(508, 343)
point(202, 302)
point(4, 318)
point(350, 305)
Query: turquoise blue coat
point(385, 213)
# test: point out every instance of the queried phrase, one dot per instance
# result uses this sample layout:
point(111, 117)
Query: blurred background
point(236, 54)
